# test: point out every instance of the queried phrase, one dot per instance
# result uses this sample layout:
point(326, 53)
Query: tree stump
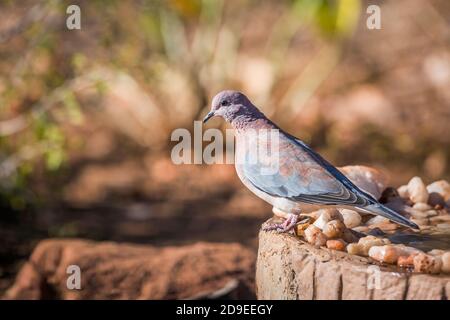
point(289, 268)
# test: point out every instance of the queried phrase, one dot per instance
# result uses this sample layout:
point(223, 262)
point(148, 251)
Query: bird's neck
point(254, 121)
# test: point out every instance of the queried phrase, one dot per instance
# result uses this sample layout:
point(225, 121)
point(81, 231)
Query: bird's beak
point(208, 116)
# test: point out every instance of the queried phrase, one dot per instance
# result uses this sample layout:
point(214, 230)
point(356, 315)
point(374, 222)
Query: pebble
point(436, 252)
point(441, 187)
point(406, 251)
point(406, 261)
point(354, 248)
point(421, 221)
point(435, 199)
point(337, 244)
point(377, 220)
point(443, 226)
point(349, 236)
point(389, 194)
point(417, 214)
point(370, 241)
point(431, 213)
point(334, 229)
point(441, 218)
point(377, 232)
point(352, 218)
point(417, 190)
point(403, 191)
point(427, 264)
point(315, 236)
point(391, 253)
point(385, 226)
point(421, 206)
point(387, 253)
point(446, 262)
point(300, 229)
point(363, 229)
point(326, 215)
point(396, 204)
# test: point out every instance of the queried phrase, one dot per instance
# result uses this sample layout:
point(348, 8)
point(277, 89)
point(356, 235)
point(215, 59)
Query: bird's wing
point(305, 176)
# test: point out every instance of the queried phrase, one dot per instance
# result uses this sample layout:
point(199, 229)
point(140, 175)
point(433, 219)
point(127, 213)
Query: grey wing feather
point(309, 180)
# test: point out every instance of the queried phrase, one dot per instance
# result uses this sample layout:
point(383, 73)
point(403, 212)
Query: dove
point(303, 179)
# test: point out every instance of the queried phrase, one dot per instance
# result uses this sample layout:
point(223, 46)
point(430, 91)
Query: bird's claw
point(286, 226)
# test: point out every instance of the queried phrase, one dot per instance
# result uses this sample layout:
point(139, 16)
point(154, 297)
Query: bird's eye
point(225, 103)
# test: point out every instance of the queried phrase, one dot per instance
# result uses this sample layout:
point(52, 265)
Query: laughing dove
point(294, 177)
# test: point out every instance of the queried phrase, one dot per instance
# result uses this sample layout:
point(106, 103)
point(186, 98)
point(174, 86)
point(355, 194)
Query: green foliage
point(333, 18)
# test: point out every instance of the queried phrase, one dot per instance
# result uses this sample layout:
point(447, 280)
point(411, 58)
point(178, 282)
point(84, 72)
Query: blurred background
point(86, 115)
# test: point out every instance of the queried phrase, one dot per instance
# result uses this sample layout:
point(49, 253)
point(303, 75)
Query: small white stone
point(377, 220)
point(362, 229)
point(315, 236)
point(366, 243)
point(334, 229)
point(403, 192)
point(421, 206)
point(441, 187)
point(326, 216)
point(417, 190)
point(321, 221)
point(352, 218)
point(387, 253)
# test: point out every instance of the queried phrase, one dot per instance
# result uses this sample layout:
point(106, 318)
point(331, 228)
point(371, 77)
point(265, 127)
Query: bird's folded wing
point(300, 176)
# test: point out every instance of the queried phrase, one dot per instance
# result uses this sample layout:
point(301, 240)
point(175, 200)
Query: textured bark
point(289, 268)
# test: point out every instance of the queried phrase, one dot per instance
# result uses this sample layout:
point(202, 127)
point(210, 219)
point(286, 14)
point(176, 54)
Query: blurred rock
point(371, 180)
point(121, 271)
point(417, 190)
point(440, 187)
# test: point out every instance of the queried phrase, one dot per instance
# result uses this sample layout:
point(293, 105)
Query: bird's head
point(229, 104)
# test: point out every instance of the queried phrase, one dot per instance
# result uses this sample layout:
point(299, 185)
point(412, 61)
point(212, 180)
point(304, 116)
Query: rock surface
point(369, 179)
point(124, 271)
point(289, 268)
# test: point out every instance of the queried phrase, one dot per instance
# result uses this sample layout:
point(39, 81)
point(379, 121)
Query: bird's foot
point(286, 226)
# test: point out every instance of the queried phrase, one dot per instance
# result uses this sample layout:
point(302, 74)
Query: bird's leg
point(287, 225)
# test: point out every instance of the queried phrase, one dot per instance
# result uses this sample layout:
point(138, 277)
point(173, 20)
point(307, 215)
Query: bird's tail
point(384, 211)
